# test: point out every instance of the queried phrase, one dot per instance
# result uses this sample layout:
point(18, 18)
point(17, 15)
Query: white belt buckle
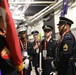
point(24, 53)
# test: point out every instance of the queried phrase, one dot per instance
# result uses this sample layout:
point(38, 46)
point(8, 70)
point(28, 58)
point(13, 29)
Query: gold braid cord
point(20, 67)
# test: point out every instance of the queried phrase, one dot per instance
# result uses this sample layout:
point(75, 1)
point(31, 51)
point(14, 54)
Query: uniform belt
point(23, 58)
point(71, 58)
point(48, 58)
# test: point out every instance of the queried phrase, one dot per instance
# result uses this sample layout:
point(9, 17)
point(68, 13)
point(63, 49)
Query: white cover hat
point(21, 29)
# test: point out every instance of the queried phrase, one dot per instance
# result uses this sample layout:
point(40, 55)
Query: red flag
point(11, 35)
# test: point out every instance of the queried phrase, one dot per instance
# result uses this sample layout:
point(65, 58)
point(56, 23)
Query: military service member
point(64, 62)
point(27, 50)
point(48, 49)
point(7, 66)
point(36, 46)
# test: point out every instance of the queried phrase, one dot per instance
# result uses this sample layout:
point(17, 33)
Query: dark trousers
point(7, 67)
point(26, 72)
point(37, 73)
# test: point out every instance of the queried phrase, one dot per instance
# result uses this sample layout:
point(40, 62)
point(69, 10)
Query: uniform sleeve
point(65, 51)
point(31, 51)
point(41, 45)
point(67, 48)
point(55, 46)
point(2, 42)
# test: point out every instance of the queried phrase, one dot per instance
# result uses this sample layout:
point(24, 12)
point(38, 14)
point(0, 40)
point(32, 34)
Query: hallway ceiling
point(35, 8)
point(22, 8)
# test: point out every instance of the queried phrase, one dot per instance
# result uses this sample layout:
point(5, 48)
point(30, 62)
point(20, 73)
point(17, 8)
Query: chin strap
point(61, 32)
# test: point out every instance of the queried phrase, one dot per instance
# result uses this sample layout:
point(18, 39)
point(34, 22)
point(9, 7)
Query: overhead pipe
point(32, 2)
point(73, 2)
point(50, 9)
point(54, 7)
point(74, 5)
point(43, 13)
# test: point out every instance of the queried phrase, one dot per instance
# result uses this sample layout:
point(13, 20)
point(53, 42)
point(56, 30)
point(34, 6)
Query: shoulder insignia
point(5, 54)
point(67, 36)
point(65, 47)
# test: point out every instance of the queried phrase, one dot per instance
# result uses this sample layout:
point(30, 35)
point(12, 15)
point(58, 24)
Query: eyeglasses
point(47, 30)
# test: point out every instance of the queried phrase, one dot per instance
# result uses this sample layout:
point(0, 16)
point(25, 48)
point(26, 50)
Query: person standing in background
point(7, 66)
point(64, 62)
point(1, 33)
point(26, 49)
point(36, 47)
point(48, 45)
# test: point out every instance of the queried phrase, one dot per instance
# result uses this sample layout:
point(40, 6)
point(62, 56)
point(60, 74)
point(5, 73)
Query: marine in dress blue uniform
point(6, 64)
point(64, 62)
point(26, 49)
point(48, 45)
point(36, 46)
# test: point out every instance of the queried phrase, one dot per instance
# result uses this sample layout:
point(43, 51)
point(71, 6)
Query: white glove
point(39, 69)
point(25, 54)
point(26, 62)
point(52, 64)
point(54, 73)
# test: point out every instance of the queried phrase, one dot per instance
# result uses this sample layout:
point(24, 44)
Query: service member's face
point(64, 28)
point(60, 27)
point(47, 33)
point(35, 37)
point(23, 35)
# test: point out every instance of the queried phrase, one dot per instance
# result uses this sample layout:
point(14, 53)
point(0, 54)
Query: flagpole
point(40, 64)
point(40, 61)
